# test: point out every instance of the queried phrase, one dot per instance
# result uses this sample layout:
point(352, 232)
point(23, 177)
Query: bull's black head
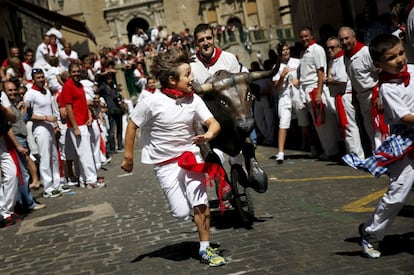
point(226, 95)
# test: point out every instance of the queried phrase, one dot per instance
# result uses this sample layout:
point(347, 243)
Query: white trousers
point(328, 132)
point(83, 148)
point(183, 189)
point(9, 181)
point(96, 144)
point(401, 181)
point(45, 138)
point(352, 134)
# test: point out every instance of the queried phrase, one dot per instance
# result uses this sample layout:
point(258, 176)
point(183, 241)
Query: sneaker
point(280, 157)
point(38, 206)
point(82, 185)
point(96, 185)
point(369, 243)
point(108, 160)
point(16, 217)
point(64, 188)
point(7, 222)
point(210, 257)
point(52, 194)
point(72, 182)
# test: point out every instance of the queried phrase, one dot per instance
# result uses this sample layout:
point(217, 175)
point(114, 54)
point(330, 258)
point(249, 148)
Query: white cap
point(55, 32)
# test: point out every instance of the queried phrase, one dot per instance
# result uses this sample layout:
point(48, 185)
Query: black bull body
point(226, 95)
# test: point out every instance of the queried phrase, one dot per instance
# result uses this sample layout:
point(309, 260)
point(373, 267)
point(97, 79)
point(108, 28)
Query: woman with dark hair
point(114, 101)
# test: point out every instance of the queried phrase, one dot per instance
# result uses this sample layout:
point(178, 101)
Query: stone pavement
point(306, 223)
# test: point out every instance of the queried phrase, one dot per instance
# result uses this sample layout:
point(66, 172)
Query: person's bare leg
point(202, 221)
point(31, 166)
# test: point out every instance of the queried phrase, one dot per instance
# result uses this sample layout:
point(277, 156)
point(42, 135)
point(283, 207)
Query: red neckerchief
point(313, 41)
point(27, 62)
point(208, 63)
point(386, 77)
point(54, 48)
point(339, 54)
point(150, 90)
point(358, 45)
point(175, 93)
point(36, 88)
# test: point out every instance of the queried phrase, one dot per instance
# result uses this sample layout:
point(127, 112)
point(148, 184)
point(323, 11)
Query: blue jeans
point(24, 197)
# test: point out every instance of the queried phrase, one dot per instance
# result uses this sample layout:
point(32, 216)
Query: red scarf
point(15, 157)
point(313, 41)
point(208, 63)
point(36, 88)
point(358, 45)
point(378, 116)
point(386, 77)
point(150, 90)
point(188, 162)
point(175, 93)
point(339, 54)
point(54, 48)
point(340, 109)
point(318, 111)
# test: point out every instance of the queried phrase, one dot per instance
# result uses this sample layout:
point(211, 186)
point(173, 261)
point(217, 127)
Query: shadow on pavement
point(391, 245)
point(229, 219)
point(175, 252)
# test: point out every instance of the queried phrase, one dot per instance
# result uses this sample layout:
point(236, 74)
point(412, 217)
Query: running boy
point(396, 91)
point(166, 118)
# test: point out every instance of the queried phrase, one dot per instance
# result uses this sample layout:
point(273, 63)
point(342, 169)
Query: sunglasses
point(36, 71)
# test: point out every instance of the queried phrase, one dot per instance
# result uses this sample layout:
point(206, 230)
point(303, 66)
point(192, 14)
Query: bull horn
point(265, 74)
point(201, 89)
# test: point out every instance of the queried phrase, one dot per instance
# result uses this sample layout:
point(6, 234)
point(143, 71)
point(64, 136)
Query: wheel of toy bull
point(242, 196)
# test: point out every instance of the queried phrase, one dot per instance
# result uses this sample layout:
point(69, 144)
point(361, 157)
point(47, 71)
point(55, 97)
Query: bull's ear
point(201, 89)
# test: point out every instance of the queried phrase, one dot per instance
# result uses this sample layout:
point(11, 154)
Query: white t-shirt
point(53, 82)
point(168, 124)
point(41, 103)
point(293, 65)
point(88, 86)
point(338, 73)
point(64, 62)
point(397, 99)
point(41, 51)
point(5, 102)
point(27, 70)
point(227, 61)
point(313, 59)
point(361, 70)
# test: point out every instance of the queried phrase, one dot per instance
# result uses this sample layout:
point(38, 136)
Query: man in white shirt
point(320, 104)
point(68, 56)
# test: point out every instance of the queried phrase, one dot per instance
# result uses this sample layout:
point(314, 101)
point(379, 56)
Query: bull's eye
point(223, 102)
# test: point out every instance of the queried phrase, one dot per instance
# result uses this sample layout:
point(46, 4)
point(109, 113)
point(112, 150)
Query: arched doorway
point(136, 23)
point(236, 22)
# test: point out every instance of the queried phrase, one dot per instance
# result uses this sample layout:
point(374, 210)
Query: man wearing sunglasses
point(340, 87)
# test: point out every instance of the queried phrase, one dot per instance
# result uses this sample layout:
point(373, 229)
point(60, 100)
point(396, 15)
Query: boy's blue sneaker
point(210, 257)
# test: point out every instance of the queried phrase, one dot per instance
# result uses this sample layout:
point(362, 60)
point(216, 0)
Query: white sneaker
point(280, 157)
point(369, 244)
point(64, 188)
point(96, 185)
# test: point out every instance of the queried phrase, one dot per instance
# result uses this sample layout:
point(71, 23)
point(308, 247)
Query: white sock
point(204, 245)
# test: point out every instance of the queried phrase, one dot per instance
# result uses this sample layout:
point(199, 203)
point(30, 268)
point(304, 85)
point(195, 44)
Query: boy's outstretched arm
point(128, 162)
point(213, 128)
